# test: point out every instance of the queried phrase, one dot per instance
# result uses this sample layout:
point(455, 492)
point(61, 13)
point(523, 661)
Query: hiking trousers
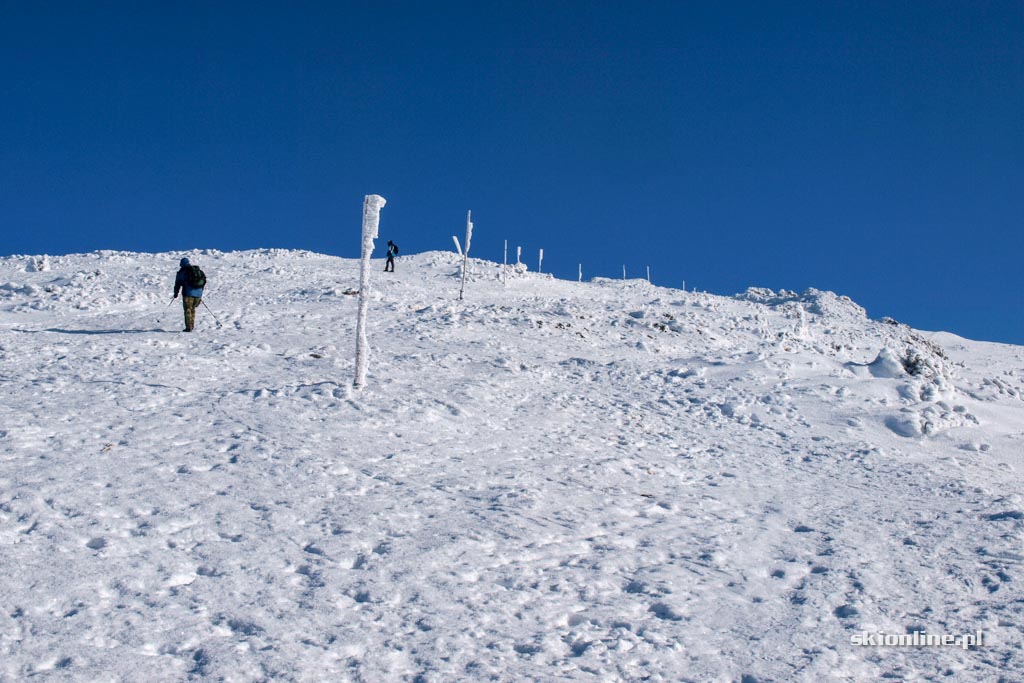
point(190, 304)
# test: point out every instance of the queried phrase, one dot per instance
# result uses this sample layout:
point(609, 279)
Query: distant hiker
point(191, 280)
point(389, 267)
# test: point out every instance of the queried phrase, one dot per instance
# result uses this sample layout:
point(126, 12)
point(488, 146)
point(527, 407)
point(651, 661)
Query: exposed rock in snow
point(38, 264)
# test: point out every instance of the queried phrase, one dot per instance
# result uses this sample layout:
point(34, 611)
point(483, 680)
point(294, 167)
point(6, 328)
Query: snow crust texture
point(550, 480)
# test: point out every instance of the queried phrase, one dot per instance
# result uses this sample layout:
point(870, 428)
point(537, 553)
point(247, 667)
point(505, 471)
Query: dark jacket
point(181, 282)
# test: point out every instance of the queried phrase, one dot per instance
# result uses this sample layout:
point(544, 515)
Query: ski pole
point(160, 318)
point(211, 311)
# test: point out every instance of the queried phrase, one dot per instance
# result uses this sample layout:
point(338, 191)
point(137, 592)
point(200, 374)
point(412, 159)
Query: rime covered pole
point(465, 253)
point(371, 223)
point(580, 278)
point(540, 262)
point(504, 264)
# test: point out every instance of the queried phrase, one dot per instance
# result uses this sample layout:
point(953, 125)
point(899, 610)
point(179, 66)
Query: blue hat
point(184, 262)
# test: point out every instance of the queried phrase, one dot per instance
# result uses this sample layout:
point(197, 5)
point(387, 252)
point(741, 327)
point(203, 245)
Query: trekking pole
point(216, 319)
point(160, 318)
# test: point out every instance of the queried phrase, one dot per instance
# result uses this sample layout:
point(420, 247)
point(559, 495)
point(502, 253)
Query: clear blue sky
point(872, 148)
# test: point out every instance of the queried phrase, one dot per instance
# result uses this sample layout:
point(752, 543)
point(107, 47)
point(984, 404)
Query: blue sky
point(872, 148)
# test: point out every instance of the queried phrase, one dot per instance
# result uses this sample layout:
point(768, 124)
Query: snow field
point(548, 481)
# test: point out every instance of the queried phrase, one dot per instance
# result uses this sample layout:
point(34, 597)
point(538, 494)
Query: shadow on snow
point(64, 331)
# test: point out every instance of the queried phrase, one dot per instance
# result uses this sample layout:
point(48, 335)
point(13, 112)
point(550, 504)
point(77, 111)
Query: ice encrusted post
point(371, 223)
point(465, 253)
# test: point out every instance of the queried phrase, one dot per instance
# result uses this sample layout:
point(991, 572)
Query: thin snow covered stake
point(504, 265)
point(540, 262)
point(465, 254)
point(371, 223)
point(580, 278)
point(458, 249)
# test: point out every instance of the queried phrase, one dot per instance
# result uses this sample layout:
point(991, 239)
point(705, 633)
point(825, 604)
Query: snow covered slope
point(551, 480)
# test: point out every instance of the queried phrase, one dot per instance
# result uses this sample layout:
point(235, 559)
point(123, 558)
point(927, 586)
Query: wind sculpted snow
point(551, 480)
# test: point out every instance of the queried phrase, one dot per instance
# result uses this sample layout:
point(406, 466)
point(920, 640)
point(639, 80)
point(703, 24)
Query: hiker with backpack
point(389, 266)
point(190, 280)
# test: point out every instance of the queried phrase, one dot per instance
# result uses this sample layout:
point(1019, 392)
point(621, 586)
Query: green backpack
point(196, 277)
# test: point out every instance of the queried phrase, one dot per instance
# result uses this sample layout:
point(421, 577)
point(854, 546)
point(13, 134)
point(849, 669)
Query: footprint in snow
point(846, 611)
point(1003, 516)
point(664, 611)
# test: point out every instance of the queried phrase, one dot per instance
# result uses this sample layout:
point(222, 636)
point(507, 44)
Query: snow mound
point(817, 302)
point(887, 364)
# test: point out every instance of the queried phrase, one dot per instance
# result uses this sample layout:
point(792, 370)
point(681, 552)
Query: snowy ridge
point(550, 480)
